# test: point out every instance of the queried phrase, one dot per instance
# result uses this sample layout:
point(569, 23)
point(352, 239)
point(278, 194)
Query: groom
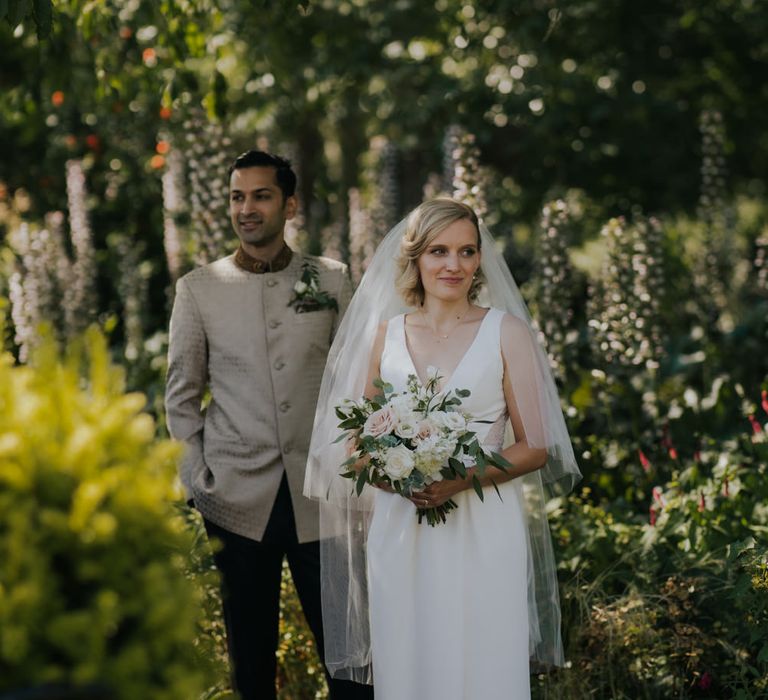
point(254, 329)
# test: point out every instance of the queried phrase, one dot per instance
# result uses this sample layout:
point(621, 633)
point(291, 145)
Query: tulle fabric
point(345, 517)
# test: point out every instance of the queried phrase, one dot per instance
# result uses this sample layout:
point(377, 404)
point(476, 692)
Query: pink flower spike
point(764, 402)
point(756, 427)
point(658, 496)
point(652, 516)
point(702, 503)
point(672, 453)
point(644, 461)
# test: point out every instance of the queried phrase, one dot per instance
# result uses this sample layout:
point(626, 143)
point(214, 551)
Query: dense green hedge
point(93, 584)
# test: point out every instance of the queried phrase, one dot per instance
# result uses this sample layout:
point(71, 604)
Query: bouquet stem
point(437, 515)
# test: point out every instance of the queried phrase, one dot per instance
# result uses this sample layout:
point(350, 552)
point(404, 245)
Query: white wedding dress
point(448, 604)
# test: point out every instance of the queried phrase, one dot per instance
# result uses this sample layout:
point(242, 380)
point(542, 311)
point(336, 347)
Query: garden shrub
point(94, 587)
point(674, 602)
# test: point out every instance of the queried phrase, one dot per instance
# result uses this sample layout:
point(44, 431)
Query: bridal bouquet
point(411, 439)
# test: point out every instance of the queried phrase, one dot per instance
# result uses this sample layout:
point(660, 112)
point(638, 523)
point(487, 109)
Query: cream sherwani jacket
point(234, 337)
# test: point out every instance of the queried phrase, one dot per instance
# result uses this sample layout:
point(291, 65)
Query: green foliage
point(361, 96)
point(93, 588)
point(670, 603)
point(40, 11)
point(299, 673)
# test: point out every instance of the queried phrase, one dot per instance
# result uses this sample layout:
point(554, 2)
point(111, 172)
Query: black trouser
point(251, 574)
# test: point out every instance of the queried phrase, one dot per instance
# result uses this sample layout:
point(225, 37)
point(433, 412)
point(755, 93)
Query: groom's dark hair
point(286, 178)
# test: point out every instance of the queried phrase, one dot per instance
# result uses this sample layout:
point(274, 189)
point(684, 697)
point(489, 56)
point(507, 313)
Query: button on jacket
point(232, 334)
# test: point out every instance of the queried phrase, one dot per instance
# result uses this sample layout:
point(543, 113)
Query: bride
point(459, 610)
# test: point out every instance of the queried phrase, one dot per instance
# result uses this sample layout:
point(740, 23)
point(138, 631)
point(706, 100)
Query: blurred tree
point(601, 97)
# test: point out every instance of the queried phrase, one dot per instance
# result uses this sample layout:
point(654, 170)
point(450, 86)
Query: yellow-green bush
point(92, 550)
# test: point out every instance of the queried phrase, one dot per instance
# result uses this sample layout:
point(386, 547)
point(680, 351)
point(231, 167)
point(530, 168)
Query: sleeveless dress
point(448, 604)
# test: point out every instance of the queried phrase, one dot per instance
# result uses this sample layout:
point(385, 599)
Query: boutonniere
point(307, 295)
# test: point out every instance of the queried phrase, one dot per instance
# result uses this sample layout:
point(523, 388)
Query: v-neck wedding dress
point(448, 604)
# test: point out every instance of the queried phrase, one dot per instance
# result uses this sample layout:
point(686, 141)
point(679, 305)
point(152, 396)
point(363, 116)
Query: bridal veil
point(344, 517)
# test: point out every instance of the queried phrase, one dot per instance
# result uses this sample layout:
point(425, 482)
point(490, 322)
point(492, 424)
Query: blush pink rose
point(380, 422)
point(426, 429)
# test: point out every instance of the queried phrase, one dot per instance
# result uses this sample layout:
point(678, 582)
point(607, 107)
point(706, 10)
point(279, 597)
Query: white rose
point(398, 462)
point(401, 405)
point(407, 429)
point(452, 420)
point(300, 287)
point(380, 422)
point(402, 408)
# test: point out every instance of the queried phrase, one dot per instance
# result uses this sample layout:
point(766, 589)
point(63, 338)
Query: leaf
point(496, 488)
point(458, 466)
point(341, 437)
point(737, 548)
point(340, 414)
point(478, 487)
point(349, 423)
point(465, 437)
point(501, 462)
point(362, 479)
point(463, 393)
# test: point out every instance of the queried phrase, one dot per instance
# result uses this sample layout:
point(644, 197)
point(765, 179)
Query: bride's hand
point(351, 449)
point(438, 493)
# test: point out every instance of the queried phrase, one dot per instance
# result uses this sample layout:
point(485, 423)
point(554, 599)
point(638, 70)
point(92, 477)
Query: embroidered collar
point(250, 264)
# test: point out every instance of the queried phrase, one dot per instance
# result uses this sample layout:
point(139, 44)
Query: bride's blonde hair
point(425, 223)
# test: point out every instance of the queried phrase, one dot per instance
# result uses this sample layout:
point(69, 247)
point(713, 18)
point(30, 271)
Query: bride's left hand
point(438, 493)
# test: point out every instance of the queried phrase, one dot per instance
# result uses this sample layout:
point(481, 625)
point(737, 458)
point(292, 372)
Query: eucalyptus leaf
point(478, 487)
point(501, 462)
point(362, 479)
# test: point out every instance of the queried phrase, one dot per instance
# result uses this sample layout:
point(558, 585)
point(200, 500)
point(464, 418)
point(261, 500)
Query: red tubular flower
point(672, 453)
point(652, 515)
point(644, 461)
point(764, 402)
point(756, 427)
point(702, 503)
point(705, 681)
point(658, 496)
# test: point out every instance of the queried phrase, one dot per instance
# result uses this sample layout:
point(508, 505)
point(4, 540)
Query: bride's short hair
point(424, 224)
